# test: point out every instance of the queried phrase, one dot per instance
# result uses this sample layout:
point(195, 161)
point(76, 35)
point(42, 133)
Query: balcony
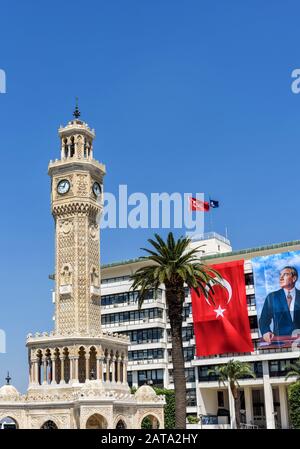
point(65, 290)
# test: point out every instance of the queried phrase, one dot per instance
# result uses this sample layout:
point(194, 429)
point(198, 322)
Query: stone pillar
point(268, 394)
point(125, 361)
point(71, 358)
point(108, 368)
point(113, 366)
point(248, 405)
point(45, 370)
point(36, 371)
point(119, 370)
point(53, 370)
point(284, 413)
point(62, 369)
point(100, 369)
point(76, 369)
point(87, 366)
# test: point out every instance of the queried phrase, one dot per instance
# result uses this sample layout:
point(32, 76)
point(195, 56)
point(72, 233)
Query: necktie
point(289, 299)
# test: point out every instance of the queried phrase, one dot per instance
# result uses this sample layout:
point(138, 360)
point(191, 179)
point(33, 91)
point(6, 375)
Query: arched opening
point(72, 147)
point(96, 421)
point(39, 356)
point(81, 365)
point(150, 422)
point(121, 424)
point(57, 373)
point(49, 425)
point(8, 423)
point(66, 362)
point(93, 364)
point(47, 366)
point(66, 148)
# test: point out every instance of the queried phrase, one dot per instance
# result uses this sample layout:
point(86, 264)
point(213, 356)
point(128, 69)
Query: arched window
point(49, 425)
point(81, 365)
point(8, 423)
point(121, 424)
point(150, 422)
point(96, 421)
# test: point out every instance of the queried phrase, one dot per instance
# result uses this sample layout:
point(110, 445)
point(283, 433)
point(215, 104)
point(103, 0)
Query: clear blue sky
point(185, 96)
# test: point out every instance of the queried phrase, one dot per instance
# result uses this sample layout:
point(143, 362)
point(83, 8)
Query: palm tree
point(231, 372)
point(172, 264)
point(294, 370)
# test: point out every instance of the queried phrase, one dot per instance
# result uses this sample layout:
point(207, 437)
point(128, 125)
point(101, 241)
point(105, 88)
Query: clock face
point(63, 186)
point(97, 189)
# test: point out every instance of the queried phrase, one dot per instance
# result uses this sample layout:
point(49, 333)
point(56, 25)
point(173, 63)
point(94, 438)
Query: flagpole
point(210, 217)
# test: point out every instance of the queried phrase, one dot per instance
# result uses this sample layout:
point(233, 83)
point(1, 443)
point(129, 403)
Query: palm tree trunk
point(175, 305)
point(236, 396)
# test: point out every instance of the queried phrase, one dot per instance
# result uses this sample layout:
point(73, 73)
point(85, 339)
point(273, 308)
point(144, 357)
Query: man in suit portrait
point(281, 307)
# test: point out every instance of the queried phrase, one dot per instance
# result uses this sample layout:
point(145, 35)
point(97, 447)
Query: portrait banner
point(277, 296)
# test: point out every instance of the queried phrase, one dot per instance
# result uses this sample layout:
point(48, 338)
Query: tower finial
point(76, 113)
point(8, 378)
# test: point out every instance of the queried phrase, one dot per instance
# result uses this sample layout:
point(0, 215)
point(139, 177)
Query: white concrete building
point(263, 399)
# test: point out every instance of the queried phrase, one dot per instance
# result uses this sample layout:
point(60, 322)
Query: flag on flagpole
point(213, 203)
point(199, 205)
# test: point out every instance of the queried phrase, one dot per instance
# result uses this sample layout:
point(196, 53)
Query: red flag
point(224, 326)
point(198, 205)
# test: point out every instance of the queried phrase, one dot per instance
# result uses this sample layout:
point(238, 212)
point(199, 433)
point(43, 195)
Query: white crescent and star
point(219, 311)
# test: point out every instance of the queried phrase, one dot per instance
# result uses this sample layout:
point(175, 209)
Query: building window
point(129, 297)
point(191, 400)
point(251, 300)
point(152, 335)
point(146, 354)
point(220, 399)
point(135, 315)
point(129, 378)
point(154, 377)
point(249, 280)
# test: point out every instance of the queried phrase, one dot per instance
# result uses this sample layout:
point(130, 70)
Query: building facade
point(78, 372)
point(263, 399)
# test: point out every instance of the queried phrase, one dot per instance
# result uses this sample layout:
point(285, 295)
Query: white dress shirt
point(292, 305)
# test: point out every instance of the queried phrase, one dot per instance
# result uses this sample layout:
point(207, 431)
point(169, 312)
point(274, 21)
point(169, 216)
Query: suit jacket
point(275, 309)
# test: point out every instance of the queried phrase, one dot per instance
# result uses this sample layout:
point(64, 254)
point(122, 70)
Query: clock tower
point(76, 202)
point(78, 371)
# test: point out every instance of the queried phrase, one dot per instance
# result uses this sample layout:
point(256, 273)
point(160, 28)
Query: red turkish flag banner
point(199, 205)
point(224, 326)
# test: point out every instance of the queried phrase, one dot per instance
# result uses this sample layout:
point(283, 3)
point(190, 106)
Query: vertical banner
point(277, 295)
point(223, 326)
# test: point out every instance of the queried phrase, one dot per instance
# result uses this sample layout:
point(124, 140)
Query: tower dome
point(8, 392)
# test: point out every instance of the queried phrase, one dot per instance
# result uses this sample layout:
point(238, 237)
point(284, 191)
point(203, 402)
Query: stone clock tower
point(76, 200)
point(78, 372)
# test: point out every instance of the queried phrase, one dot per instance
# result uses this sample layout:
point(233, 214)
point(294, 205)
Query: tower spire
point(8, 378)
point(76, 113)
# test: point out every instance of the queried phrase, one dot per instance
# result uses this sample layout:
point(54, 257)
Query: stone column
point(268, 394)
point(76, 369)
point(119, 370)
point(125, 361)
point(100, 368)
point(36, 371)
point(62, 369)
point(108, 368)
point(87, 366)
point(53, 370)
point(284, 413)
point(248, 405)
point(113, 365)
point(45, 370)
